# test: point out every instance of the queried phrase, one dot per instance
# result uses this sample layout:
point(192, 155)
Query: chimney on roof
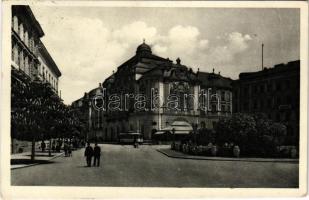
point(213, 70)
point(178, 61)
point(219, 73)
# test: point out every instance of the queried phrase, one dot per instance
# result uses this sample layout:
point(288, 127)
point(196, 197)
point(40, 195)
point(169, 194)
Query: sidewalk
point(176, 154)
point(22, 160)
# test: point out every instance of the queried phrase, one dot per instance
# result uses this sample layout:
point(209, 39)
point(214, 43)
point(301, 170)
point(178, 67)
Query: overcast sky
point(89, 43)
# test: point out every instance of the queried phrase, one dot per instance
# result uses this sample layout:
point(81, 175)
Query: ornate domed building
point(148, 94)
point(143, 49)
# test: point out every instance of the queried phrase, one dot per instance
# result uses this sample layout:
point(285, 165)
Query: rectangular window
point(15, 52)
point(214, 108)
point(21, 61)
point(246, 106)
point(246, 91)
point(222, 96)
point(262, 103)
point(278, 86)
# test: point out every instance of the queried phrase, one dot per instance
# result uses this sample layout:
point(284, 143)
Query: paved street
point(126, 166)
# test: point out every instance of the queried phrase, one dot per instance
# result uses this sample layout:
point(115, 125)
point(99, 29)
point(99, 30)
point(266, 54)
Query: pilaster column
point(196, 97)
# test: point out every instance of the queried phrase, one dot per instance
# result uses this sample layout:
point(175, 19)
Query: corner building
point(274, 91)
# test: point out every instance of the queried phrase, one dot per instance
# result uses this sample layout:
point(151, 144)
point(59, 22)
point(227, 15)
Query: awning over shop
point(180, 127)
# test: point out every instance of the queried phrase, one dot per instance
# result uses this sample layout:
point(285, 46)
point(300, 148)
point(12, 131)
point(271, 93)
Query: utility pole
point(262, 56)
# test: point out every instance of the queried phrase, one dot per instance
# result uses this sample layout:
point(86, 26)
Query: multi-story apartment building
point(30, 61)
point(273, 91)
point(48, 70)
point(26, 34)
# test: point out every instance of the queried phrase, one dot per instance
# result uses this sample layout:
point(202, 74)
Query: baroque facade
point(169, 92)
point(273, 91)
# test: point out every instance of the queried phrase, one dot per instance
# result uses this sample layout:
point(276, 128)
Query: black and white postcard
point(128, 99)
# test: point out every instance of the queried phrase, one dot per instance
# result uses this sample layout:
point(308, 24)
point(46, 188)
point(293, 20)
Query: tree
point(255, 134)
point(36, 111)
point(239, 129)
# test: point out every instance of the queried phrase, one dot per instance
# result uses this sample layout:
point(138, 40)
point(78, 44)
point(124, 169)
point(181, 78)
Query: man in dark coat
point(88, 154)
point(97, 154)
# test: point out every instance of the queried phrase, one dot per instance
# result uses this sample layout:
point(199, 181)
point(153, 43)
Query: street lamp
point(174, 138)
point(194, 126)
point(89, 119)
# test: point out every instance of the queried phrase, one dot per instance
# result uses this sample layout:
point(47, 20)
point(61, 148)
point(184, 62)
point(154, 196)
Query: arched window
point(215, 103)
point(26, 39)
point(15, 24)
point(213, 107)
point(21, 31)
point(223, 108)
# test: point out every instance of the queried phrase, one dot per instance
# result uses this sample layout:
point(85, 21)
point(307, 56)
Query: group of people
point(67, 147)
point(56, 145)
point(93, 152)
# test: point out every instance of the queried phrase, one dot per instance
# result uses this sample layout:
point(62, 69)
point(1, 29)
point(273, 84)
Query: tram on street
point(130, 138)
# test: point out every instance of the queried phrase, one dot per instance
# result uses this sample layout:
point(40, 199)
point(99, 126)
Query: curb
point(30, 165)
point(227, 159)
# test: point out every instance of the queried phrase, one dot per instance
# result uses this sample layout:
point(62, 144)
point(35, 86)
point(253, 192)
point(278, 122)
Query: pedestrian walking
point(135, 142)
point(88, 154)
point(43, 146)
point(53, 146)
point(58, 148)
point(65, 148)
point(97, 155)
point(70, 150)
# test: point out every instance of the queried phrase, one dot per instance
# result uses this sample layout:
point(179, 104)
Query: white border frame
point(9, 191)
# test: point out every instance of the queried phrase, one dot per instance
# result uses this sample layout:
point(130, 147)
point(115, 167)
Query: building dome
point(143, 48)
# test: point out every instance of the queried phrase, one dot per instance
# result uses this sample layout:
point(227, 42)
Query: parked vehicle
point(130, 138)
